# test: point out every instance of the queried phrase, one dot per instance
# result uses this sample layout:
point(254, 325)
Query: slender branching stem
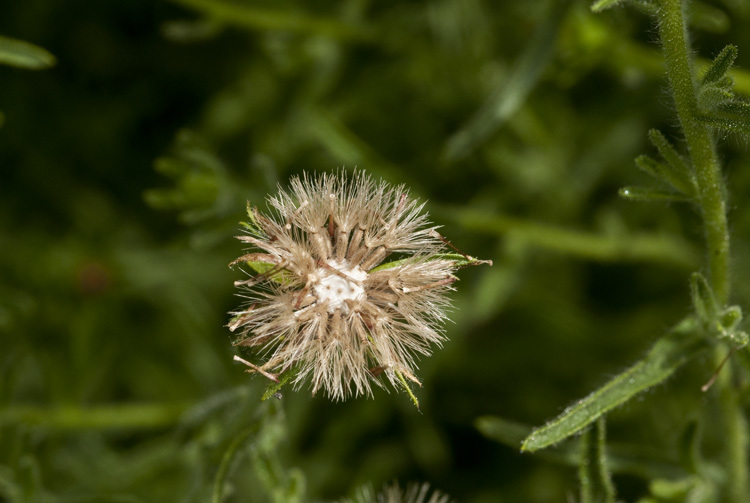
point(711, 193)
point(712, 203)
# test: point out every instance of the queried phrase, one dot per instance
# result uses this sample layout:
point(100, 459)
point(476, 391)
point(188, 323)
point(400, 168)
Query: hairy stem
point(712, 202)
point(711, 193)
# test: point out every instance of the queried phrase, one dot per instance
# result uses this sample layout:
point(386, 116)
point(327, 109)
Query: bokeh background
point(125, 169)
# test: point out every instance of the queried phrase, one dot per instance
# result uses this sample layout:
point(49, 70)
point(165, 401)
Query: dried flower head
point(321, 301)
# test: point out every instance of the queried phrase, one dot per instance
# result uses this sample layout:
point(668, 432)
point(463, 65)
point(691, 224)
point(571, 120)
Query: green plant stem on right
point(711, 192)
point(711, 199)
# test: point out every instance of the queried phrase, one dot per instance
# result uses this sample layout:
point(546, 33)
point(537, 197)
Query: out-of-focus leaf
point(601, 5)
point(706, 17)
point(247, 16)
point(648, 194)
point(228, 460)
point(192, 30)
point(24, 55)
point(510, 94)
point(109, 417)
point(602, 247)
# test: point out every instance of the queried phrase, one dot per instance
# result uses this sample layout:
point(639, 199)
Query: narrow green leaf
point(589, 245)
point(741, 109)
point(264, 266)
point(191, 30)
point(510, 94)
point(647, 194)
point(731, 317)
point(720, 65)
point(680, 173)
point(502, 430)
point(650, 166)
point(679, 178)
point(24, 55)
point(253, 225)
point(703, 16)
point(669, 353)
point(728, 124)
point(601, 5)
point(407, 388)
point(227, 460)
point(712, 97)
point(704, 302)
point(274, 387)
point(125, 416)
point(256, 18)
point(726, 82)
point(459, 259)
point(689, 445)
point(674, 490)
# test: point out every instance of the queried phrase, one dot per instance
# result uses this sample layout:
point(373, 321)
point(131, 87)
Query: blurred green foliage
point(126, 167)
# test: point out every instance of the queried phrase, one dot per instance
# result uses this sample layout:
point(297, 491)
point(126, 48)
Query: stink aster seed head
point(321, 301)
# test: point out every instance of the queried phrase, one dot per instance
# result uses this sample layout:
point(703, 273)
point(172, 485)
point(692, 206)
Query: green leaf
point(677, 171)
point(647, 194)
point(731, 317)
point(601, 5)
point(669, 353)
point(24, 55)
point(459, 259)
point(191, 30)
point(726, 82)
point(689, 445)
point(708, 18)
point(407, 388)
point(508, 97)
point(227, 461)
point(672, 490)
point(712, 97)
point(274, 387)
point(282, 276)
point(593, 473)
point(589, 245)
point(502, 430)
point(704, 302)
point(728, 124)
point(720, 65)
point(257, 18)
point(741, 109)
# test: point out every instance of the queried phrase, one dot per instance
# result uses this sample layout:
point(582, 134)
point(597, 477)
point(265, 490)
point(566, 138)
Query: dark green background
point(113, 275)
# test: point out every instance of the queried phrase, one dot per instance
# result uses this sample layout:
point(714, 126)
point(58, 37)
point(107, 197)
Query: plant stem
point(711, 193)
point(712, 202)
point(733, 428)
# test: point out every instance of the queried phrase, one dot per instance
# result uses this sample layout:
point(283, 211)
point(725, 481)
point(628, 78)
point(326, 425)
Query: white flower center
point(338, 288)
